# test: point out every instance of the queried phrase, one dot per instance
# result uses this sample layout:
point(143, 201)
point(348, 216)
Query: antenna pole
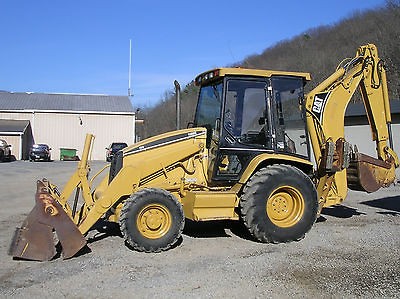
point(130, 68)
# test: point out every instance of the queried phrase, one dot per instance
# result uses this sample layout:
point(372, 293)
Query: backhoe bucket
point(368, 174)
point(35, 239)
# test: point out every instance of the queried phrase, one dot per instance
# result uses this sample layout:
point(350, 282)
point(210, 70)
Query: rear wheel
point(279, 204)
point(152, 220)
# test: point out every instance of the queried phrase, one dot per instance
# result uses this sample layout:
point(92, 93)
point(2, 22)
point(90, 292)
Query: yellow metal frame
point(180, 165)
point(161, 167)
point(325, 116)
point(221, 72)
point(78, 181)
point(286, 159)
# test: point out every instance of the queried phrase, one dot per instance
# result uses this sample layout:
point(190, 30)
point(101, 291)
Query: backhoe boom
point(326, 107)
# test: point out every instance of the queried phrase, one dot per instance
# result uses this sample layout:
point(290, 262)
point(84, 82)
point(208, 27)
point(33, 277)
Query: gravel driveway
point(352, 251)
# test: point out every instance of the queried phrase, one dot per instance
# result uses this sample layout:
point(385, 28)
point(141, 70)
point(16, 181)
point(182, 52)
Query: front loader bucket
point(35, 239)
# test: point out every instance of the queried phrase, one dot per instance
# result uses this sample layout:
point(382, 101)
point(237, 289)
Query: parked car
point(5, 151)
point(113, 148)
point(40, 152)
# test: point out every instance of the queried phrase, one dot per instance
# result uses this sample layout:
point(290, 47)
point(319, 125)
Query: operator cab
point(248, 113)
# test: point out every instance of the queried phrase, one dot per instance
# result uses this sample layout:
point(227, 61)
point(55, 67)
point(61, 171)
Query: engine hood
point(163, 139)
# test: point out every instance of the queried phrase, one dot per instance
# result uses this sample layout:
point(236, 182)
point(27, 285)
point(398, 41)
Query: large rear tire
point(279, 204)
point(152, 220)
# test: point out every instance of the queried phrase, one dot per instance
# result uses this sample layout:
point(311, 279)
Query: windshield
point(119, 146)
point(245, 108)
point(40, 147)
point(266, 114)
point(209, 105)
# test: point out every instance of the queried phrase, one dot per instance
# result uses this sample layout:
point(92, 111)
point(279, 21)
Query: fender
point(267, 159)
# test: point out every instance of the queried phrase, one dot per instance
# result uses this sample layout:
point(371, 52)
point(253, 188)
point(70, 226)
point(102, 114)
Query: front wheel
point(152, 220)
point(279, 204)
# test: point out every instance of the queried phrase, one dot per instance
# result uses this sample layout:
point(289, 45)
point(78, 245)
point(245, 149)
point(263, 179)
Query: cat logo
point(317, 106)
point(319, 103)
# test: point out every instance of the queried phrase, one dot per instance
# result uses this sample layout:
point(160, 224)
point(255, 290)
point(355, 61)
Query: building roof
point(11, 126)
point(64, 102)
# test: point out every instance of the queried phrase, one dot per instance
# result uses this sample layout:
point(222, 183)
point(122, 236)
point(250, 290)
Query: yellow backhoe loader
point(246, 158)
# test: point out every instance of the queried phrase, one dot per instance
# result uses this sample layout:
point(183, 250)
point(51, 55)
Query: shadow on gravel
point(83, 251)
point(212, 229)
point(10, 159)
point(341, 212)
point(104, 230)
point(392, 204)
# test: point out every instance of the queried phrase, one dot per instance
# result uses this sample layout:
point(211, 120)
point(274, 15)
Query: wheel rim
point(154, 221)
point(285, 206)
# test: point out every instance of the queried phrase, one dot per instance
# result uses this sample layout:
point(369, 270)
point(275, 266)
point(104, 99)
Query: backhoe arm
point(326, 106)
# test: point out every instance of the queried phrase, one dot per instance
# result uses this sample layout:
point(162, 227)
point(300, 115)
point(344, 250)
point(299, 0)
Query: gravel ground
point(352, 251)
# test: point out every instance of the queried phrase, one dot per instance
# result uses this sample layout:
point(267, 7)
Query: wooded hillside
point(317, 51)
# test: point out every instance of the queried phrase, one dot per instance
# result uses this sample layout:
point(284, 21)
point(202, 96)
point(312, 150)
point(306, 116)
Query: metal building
point(358, 131)
point(63, 120)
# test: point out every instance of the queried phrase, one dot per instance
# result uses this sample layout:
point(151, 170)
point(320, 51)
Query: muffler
point(35, 239)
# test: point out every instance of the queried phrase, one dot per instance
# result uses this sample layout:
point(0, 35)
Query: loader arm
point(325, 109)
point(154, 162)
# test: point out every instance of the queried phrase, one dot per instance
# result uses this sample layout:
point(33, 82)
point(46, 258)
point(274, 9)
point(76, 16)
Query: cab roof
point(221, 72)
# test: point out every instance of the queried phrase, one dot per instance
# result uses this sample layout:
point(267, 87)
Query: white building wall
point(361, 136)
point(68, 130)
point(17, 115)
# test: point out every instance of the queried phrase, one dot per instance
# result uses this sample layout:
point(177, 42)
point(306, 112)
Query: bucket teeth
point(35, 239)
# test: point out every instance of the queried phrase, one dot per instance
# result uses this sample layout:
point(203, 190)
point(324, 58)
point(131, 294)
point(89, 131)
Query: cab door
point(244, 127)
point(208, 115)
